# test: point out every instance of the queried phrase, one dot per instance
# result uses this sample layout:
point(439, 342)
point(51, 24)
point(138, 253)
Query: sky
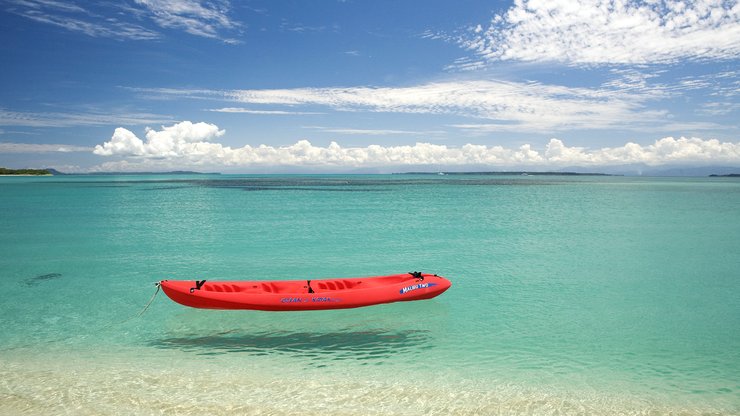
point(368, 86)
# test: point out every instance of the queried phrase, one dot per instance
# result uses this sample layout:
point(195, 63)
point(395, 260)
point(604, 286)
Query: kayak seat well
point(336, 285)
point(272, 287)
point(212, 287)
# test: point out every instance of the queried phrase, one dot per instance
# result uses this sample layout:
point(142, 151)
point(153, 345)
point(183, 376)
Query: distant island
point(729, 175)
point(25, 172)
point(174, 172)
point(509, 173)
point(54, 172)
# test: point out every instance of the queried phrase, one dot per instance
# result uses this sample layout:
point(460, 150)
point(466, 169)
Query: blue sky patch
point(380, 86)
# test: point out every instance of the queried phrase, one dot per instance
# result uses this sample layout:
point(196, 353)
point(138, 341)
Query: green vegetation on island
point(35, 172)
point(54, 172)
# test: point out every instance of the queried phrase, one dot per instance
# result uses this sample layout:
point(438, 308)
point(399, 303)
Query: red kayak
point(303, 295)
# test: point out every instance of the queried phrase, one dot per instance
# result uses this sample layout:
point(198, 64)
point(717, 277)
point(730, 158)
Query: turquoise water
point(571, 295)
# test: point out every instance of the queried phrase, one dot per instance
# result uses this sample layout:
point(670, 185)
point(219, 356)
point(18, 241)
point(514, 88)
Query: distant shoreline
point(54, 172)
point(176, 172)
point(4, 172)
point(511, 173)
point(25, 172)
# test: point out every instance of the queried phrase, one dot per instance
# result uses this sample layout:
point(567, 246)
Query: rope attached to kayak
point(110, 325)
point(159, 286)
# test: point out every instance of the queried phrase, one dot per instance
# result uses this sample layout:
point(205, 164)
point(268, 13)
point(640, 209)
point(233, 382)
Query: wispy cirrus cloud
point(630, 98)
point(520, 106)
point(607, 32)
point(721, 108)
point(193, 144)
point(76, 119)
point(210, 19)
point(176, 93)
point(201, 18)
point(42, 148)
point(241, 110)
point(375, 132)
point(287, 26)
point(73, 17)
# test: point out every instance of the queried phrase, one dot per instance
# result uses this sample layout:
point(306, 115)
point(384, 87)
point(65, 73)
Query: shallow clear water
point(571, 295)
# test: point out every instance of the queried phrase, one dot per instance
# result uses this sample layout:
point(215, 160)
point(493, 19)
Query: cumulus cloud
point(181, 139)
point(188, 144)
point(665, 151)
point(596, 32)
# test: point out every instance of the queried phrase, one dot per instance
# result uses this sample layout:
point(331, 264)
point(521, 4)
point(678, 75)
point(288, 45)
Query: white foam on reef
point(115, 384)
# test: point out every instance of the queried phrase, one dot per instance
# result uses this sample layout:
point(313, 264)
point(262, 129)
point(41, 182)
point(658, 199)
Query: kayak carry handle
point(198, 285)
point(417, 275)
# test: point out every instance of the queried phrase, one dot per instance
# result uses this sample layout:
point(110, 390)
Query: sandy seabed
point(111, 385)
